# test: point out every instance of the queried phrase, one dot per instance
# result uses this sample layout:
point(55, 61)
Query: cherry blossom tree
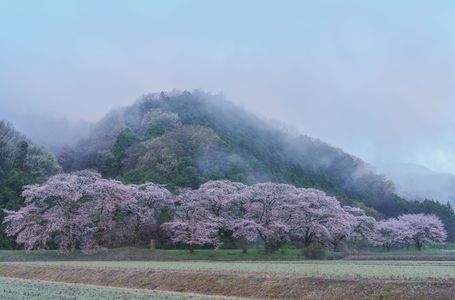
point(223, 200)
point(268, 208)
point(410, 229)
point(155, 205)
point(80, 210)
point(204, 215)
point(277, 213)
point(364, 226)
point(340, 228)
point(389, 233)
point(51, 213)
point(319, 217)
point(83, 210)
point(193, 224)
point(422, 229)
point(351, 224)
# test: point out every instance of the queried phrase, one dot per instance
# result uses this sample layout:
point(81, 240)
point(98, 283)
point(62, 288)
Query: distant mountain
point(416, 182)
point(184, 139)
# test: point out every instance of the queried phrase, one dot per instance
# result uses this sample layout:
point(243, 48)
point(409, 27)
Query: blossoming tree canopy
point(267, 209)
point(81, 209)
point(364, 226)
point(319, 217)
point(277, 213)
point(409, 230)
point(222, 198)
point(389, 233)
point(193, 224)
point(423, 229)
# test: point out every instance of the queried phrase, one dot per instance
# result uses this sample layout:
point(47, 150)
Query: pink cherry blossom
point(82, 210)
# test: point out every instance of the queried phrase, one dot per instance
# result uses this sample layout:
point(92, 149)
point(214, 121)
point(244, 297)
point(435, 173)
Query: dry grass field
point(19, 289)
point(259, 280)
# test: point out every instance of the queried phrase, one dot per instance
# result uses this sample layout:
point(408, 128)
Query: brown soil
point(240, 285)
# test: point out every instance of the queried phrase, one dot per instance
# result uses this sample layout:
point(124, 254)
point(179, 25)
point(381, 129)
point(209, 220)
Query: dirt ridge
point(258, 286)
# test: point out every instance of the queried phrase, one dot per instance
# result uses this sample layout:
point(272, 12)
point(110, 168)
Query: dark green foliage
point(21, 163)
point(154, 130)
point(314, 251)
point(111, 164)
point(184, 157)
point(157, 122)
point(125, 139)
point(21, 155)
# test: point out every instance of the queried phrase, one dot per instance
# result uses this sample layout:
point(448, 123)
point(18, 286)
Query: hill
point(185, 139)
point(21, 163)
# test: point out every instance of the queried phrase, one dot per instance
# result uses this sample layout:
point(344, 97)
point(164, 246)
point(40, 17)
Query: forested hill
point(189, 138)
point(21, 163)
point(185, 139)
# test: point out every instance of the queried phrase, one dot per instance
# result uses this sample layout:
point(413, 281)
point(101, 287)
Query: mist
point(375, 79)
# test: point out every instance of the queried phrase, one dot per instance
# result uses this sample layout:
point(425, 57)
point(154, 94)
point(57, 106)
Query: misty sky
point(376, 78)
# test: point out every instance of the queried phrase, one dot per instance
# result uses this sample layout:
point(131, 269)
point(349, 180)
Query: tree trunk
point(269, 247)
point(307, 240)
point(419, 246)
point(152, 244)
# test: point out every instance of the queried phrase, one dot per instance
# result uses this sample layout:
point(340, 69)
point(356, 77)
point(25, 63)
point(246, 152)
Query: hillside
point(185, 139)
point(21, 163)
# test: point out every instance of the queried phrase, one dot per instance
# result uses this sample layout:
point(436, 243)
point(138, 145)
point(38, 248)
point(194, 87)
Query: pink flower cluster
point(83, 210)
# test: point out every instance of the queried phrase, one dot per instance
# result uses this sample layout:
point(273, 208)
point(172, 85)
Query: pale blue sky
point(376, 78)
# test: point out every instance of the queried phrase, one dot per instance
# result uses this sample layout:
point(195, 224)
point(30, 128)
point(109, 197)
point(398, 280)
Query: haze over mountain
point(373, 78)
point(49, 130)
point(419, 183)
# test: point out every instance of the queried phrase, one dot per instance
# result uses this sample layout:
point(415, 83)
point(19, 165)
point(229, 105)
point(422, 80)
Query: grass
point(447, 251)
point(131, 253)
point(142, 254)
point(18, 289)
point(320, 269)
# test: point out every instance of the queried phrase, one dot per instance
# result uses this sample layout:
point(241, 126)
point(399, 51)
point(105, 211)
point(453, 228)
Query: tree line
point(82, 210)
point(21, 163)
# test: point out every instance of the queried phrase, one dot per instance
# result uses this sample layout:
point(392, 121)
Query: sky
point(375, 78)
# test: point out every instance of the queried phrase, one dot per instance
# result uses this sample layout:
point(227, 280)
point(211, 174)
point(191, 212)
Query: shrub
point(314, 251)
